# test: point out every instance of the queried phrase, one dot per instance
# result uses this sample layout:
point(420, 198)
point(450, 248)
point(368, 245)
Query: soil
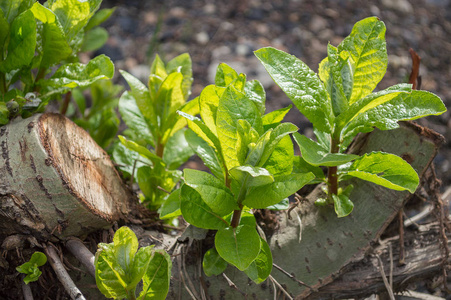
point(229, 31)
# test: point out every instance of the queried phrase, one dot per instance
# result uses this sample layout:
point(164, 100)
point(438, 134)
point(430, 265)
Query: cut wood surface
point(55, 181)
point(329, 245)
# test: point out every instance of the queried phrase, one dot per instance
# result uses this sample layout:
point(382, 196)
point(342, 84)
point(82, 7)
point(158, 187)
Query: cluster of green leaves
point(100, 118)
point(34, 40)
point(31, 267)
point(155, 145)
point(340, 104)
point(120, 267)
point(250, 156)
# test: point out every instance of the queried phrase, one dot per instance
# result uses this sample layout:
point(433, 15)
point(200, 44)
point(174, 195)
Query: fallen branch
point(62, 274)
point(79, 250)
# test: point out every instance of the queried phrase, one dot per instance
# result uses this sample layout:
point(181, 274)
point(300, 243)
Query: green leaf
point(247, 137)
point(282, 187)
point(156, 182)
point(343, 205)
point(141, 94)
point(207, 153)
point(276, 136)
point(367, 48)
point(300, 84)
point(385, 169)
point(404, 107)
point(73, 14)
point(282, 205)
point(31, 268)
point(371, 101)
point(251, 176)
point(281, 160)
point(110, 277)
point(225, 75)
point(238, 246)
point(234, 106)
point(80, 75)
point(140, 149)
point(22, 42)
point(209, 102)
point(169, 98)
point(139, 266)
point(177, 122)
point(276, 116)
point(128, 160)
point(133, 118)
point(125, 247)
point(182, 64)
point(157, 68)
point(301, 166)
point(261, 267)
point(330, 73)
point(177, 150)
point(99, 17)
point(52, 44)
point(212, 191)
point(196, 125)
point(213, 263)
point(171, 206)
point(197, 212)
point(4, 30)
point(316, 155)
point(4, 114)
point(256, 93)
point(94, 39)
point(12, 8)
point(157, 277)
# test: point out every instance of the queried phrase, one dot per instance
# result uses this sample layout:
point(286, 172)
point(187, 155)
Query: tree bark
point(55, 181)
point(329, 246)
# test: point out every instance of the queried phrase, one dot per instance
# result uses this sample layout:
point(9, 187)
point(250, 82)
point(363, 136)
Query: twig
point(300, 227)
point(66, 102)
point(62, 274)
point(293, 277)
point(280, 287)
point(414, 219)
point(414, 77)
point(384, 278)
point(390, 251)
point(26, 290)
point(180, 262)
point(402, 252)
point(233, 285)
point(79, 250)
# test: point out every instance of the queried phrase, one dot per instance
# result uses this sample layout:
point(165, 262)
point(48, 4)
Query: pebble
point(318, 23)
point(202, 38)
point(402, 6)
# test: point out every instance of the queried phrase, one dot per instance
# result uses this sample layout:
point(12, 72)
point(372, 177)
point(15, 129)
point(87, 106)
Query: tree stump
point(55, 181)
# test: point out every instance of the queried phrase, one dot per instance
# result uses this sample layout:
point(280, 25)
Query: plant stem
point(39, 76)
point(159, 150)
point(3, 88)
point(332, 178)
point(66, 102)
point(236, 217)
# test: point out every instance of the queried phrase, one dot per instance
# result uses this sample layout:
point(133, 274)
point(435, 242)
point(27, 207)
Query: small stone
point(209, 8)
point(400, 5)
point(202, 38)
point(318, 23)
point(242, 50)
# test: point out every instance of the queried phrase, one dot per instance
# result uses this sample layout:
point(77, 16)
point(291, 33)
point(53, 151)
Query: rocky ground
point(229, 31)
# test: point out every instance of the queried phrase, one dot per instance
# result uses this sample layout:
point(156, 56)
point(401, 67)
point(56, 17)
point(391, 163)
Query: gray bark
point(55, 181)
